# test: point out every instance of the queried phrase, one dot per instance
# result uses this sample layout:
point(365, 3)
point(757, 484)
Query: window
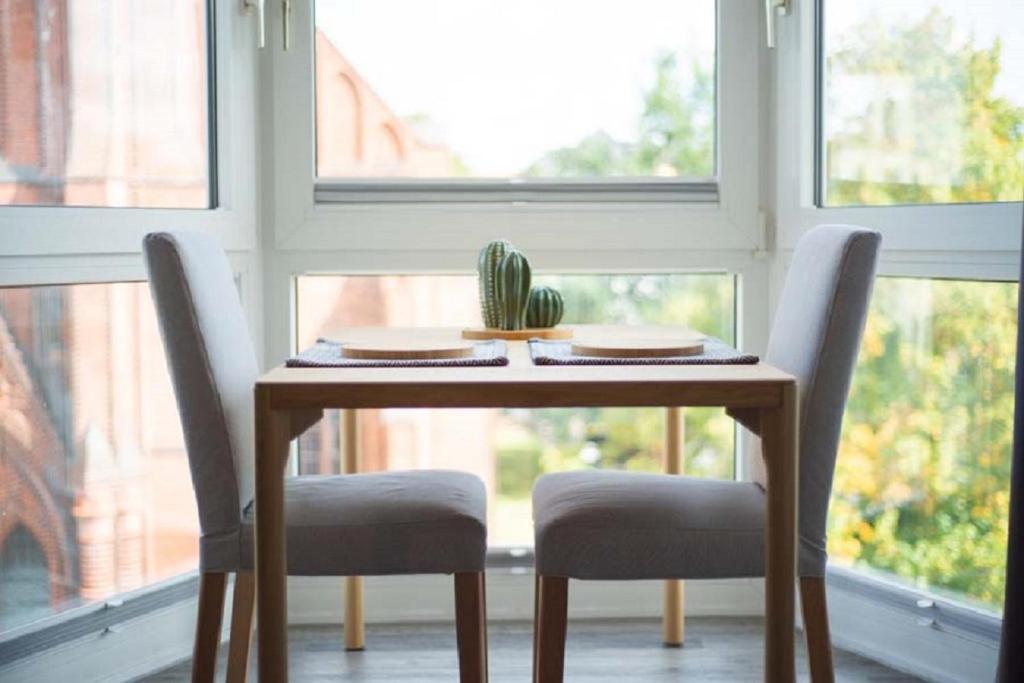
point(105, 104)
point(922, 102)
point(94, 481)
point(921, 486)
point(509, 449)
point(488, 89)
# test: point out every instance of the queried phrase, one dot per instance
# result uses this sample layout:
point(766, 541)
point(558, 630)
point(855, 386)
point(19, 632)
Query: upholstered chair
point(606, 525)
point(423, 522)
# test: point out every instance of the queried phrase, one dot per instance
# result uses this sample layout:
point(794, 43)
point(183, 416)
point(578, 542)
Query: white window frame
point(371, 232)
point(940, 638)
point(371, 219)
point(27, 231)
point(61, 245)
point(940, 233)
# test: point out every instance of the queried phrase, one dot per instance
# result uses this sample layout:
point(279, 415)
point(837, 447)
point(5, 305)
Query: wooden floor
point(598, 651)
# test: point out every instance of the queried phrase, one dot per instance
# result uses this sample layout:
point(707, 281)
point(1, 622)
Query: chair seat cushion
point(623, 525)
point(422, 522)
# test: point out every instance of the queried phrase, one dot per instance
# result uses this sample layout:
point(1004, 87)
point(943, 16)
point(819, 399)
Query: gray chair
point(623, 526)
point(423, 522)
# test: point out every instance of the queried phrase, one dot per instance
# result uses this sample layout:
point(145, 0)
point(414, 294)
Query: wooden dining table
point(760, 397)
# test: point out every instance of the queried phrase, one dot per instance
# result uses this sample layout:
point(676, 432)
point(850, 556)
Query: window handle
point(261, 19)
point(772, 10)
point(286, 22)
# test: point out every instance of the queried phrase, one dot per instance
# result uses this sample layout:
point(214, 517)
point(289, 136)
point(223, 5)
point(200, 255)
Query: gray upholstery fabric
point(423, 522)
point(624, 525)
point(815, 337)
point(403, 522)
point(213, 367)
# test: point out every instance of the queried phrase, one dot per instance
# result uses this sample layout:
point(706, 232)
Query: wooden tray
point(639, 348)
point(406, 350)
point(517, 335)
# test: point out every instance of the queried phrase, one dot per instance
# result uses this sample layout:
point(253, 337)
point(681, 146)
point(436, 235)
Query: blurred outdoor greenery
point(921, 482)
point(934, 123)
point(922, 479)
point(535, 442)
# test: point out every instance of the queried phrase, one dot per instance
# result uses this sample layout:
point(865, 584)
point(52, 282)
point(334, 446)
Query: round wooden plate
point(517, 335)
point(639, 348)
point(406, 350)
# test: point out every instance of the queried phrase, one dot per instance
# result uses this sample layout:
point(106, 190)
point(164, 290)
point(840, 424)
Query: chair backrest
point(815, 336)
point(213, 367)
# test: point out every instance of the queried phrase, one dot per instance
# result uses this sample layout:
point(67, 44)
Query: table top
point(521, 383)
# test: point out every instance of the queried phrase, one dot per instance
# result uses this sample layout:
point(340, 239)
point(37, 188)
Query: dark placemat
point(716, 352)
point(327, 354)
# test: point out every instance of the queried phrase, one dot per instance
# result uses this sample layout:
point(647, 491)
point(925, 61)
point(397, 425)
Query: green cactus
point(512, 286)
point(487, 267)
point(545, 307)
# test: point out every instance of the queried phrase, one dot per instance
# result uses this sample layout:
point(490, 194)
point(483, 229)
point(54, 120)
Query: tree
point(921, 478)
point(935, 125)
point(675, 134)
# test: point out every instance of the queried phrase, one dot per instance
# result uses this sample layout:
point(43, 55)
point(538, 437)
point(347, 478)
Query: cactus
point(487, 266)
point(512, 287)
point(545, 307)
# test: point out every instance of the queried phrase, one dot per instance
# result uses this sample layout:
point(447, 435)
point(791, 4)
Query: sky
point(503, 82)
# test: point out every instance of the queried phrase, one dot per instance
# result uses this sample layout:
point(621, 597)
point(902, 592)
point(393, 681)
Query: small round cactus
point(545, 307)
point(487, 267)
point(512, 286)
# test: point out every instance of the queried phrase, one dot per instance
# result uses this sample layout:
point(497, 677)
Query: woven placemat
point(716, 352)
point(327, 354)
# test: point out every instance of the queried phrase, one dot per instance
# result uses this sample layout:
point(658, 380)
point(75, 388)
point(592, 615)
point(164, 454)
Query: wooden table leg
point(272, 439)
point(672, 621)
point(779, 446)
point(355, 633)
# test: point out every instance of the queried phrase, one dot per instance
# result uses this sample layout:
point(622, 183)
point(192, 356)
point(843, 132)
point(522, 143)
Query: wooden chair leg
point(536, 620)
point(241, 627)
point(673, 629)
point(819, 643)
point(550, 627)
point(471, 626)
point(355, 626)
point(208, 618)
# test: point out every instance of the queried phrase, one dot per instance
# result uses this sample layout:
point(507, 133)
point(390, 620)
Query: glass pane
point(509, 449)
point(524, 89)
point(104, 104)
point(922, 481)
point(94, 481)
point(923, 102)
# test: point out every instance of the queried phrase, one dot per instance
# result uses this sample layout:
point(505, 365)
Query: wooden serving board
point(406, 350)
point(639, 348)
point(517, 335)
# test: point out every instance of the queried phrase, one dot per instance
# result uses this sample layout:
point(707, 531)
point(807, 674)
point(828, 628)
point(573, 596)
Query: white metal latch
point(286, 22)
point(772, 10)
point(261, 19)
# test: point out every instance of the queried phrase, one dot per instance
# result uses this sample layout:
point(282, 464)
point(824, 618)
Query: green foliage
point(956, 127)
point(921, 479)
point(675, 134)
point(677, 129)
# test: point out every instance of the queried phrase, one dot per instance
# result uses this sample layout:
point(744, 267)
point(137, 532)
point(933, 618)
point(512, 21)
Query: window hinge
point(772, 10)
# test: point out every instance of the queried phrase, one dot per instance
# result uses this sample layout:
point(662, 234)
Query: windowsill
point(97, 617)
